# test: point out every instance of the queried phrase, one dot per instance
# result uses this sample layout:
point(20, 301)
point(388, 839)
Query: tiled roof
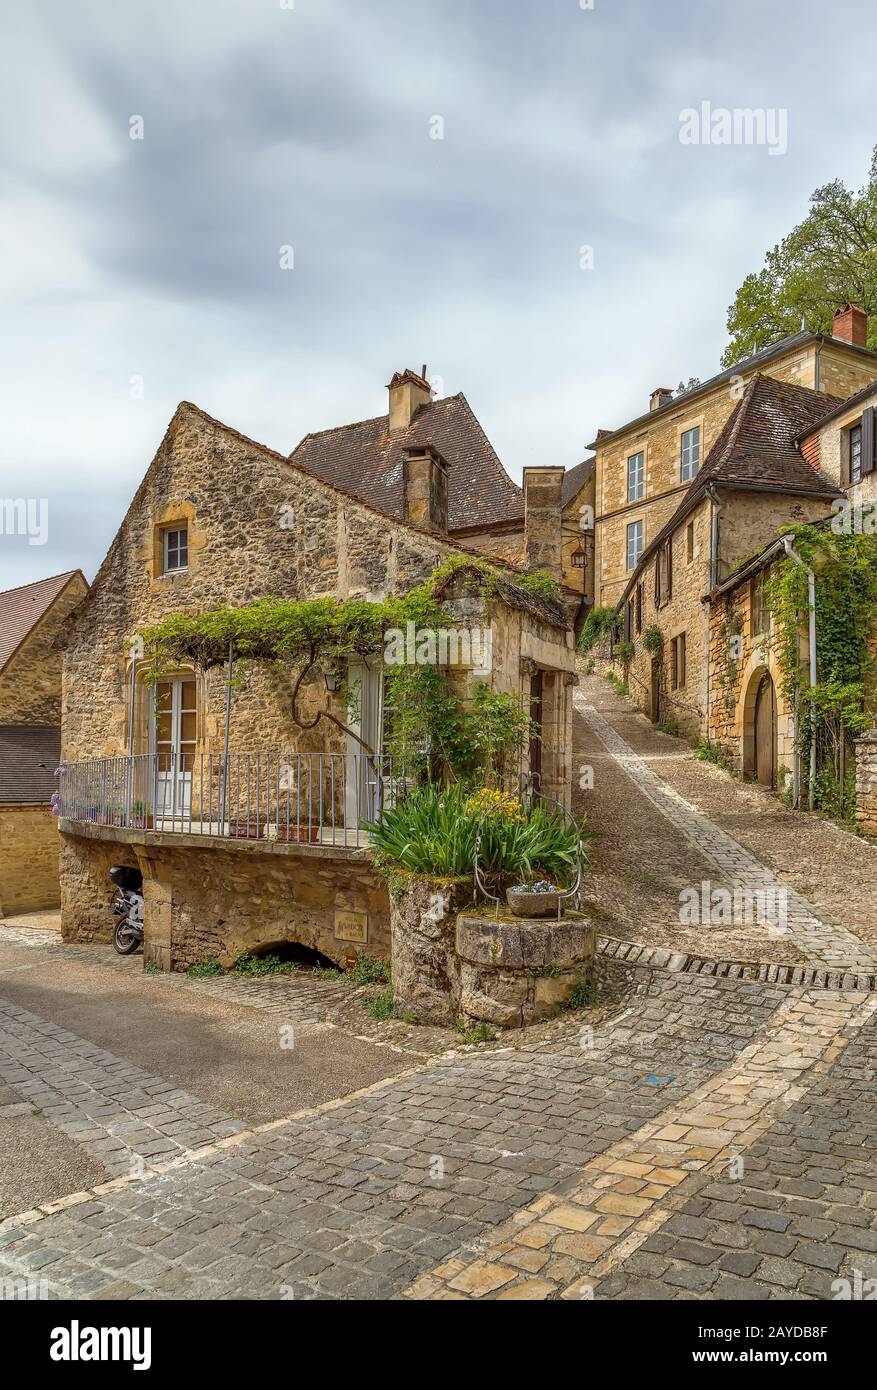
point(365, 459)
point(756, 450)
point(21, 608)
point(29, 754)
point(757, 445)
point(839, 409)
point(574, 479)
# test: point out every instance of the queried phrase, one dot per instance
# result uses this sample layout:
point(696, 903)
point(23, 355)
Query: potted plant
point(540, 899)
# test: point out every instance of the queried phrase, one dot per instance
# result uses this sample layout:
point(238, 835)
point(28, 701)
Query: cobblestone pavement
point(597, 1161)
point(817, 938)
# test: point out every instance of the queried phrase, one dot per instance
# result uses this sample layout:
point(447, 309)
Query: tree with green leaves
point(827, 261)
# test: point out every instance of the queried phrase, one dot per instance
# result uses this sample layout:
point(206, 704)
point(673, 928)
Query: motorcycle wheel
point(125, 939)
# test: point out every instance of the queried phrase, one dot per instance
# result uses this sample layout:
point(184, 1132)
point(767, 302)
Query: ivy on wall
point(841, 704)
point(427, 724)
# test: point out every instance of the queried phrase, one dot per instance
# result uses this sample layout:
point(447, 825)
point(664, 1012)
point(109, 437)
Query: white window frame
point(637, 476)
point(635, 534)
point(689, 454)
point(856, 430)
point(180, 548)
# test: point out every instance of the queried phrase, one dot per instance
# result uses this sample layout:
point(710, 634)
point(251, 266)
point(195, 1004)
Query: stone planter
point(525, 904)
point(425, 970)
point(516, 972)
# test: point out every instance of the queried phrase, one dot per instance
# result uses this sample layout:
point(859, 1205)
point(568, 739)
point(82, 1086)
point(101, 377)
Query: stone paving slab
point(360, 1199)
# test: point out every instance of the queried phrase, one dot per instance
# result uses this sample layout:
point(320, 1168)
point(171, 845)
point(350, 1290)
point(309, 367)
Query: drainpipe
point(811, 603)
point(714, 534)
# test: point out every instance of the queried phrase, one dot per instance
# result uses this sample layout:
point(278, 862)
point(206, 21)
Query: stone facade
point(828, 366)
point(219, 899)
point(28, 859)
point(258, 525)
point(746, 522)
point(734, 680)
point(30, 685)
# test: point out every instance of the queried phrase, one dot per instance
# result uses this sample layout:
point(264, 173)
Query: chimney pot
point(662, 395)
point(851, 325)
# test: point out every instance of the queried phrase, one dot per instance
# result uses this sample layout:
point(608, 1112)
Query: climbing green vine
point(840, 704)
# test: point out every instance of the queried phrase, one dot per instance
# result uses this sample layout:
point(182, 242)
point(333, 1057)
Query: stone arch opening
point(760, 728)
point(305, 957)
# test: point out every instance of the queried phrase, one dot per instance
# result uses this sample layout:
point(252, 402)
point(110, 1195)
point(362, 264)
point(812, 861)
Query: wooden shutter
point(680, 663)
point(673, 667)
point(657, 578)
point(868, 441)
point(668, 548)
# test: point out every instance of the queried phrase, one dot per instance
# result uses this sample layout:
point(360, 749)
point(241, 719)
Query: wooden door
point(655, 692)
point(765, 733)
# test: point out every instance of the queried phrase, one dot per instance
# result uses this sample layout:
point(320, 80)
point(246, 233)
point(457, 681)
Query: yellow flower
point(487, 801)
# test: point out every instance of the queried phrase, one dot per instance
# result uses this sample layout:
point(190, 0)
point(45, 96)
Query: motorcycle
point(127, 905)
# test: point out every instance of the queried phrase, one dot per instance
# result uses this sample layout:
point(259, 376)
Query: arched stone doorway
point(760, 729)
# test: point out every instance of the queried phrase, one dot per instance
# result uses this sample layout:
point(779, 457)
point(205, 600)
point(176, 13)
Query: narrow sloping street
point(714, 1138)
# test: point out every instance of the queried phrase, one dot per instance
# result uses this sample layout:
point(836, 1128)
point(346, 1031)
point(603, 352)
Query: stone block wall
point(219, 900)
point(866, 783)
point(30, 686)
point(29, 877)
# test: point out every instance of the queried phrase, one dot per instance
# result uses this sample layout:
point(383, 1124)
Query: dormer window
point(175, 542)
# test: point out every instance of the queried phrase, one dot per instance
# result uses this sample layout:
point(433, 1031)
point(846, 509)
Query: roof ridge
point(32, 584)
point(372, 420)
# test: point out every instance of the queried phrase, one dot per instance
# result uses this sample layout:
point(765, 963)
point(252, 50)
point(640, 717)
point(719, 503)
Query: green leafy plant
point(264, 965)
point(432, 833)
point(368, 971)
point(626, 652)
point(596, 625)
point(477, 1033)
point(200, 969)
point(653, 640)
point(381, 1007)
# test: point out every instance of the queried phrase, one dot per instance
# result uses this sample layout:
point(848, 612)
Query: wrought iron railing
point(306, 798)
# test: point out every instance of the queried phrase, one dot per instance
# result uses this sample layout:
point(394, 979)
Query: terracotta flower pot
point(526, 904)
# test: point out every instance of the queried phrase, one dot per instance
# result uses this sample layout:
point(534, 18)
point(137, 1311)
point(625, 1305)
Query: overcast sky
point(269, 124)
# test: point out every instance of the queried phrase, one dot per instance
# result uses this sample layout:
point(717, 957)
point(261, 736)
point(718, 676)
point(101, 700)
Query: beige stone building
point(30, 738)
point(268, 845)
point(644, 469)
point(753, 481)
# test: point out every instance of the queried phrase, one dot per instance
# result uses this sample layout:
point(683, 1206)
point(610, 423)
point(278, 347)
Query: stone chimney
point(408, 392)
point(851, 325)
point(543, 507)
point(662, 395)
point(425, 485)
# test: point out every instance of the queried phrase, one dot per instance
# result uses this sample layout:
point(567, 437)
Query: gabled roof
point(755, 452)
point(29, 754)
point(574, 479)
point(365, 459)
point(757, 359)
point(21, 609)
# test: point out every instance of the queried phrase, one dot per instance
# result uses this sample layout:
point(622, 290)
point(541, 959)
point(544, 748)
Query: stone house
point(753, 481)
point(30, 738)
point(481, 507)
point(268, 845)
point(644, 469)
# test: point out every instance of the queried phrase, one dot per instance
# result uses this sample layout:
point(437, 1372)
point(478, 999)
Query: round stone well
point(516, 970)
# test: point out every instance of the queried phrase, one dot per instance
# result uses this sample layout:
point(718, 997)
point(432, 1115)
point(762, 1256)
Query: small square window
point(635, 477)
point(690, 454)
point(175, 543)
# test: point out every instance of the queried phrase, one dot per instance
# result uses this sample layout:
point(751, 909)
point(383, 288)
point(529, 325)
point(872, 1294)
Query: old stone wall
point(257, 527)
point(209, 900)
point(30, 686)
point(29, 878)
point(866, 783)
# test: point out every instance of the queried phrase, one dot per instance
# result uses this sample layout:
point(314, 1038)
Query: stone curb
point(772, 973)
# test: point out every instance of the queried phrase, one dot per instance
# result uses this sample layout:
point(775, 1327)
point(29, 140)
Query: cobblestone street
point(714, 1139)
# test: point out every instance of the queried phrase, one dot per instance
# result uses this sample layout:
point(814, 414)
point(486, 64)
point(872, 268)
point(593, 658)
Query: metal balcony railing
point(304, 798)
